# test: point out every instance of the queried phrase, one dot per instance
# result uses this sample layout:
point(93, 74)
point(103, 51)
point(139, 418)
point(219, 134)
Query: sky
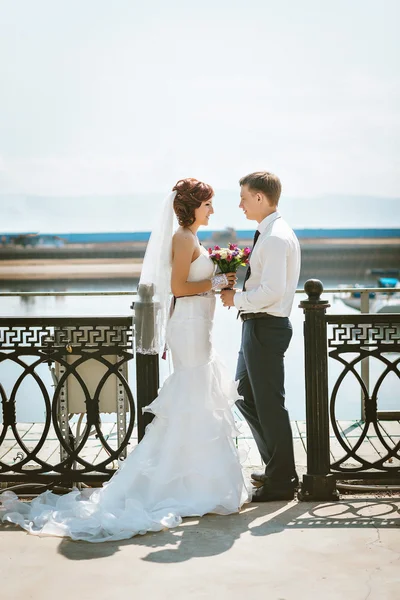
point(101, 97)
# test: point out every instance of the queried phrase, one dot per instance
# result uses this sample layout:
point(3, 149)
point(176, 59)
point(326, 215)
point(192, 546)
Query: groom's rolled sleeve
point(272, 256)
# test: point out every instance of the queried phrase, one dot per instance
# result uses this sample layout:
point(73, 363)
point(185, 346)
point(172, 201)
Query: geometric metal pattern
point(93, 332)
point(72, 345)
point(380, 331)
point(351, 339)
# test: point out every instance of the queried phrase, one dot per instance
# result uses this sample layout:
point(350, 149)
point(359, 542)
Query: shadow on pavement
point(213, 534)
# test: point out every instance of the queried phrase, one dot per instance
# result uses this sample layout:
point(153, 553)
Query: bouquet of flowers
point(229, 259)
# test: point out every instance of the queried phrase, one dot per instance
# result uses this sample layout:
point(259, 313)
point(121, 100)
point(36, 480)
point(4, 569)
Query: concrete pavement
point(277, 551)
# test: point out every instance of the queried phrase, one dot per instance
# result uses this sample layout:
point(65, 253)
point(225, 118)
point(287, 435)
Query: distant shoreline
point(333, 259)
point(241, 235)
point(48, 269)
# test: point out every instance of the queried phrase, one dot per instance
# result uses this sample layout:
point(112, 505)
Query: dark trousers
point(260, 371)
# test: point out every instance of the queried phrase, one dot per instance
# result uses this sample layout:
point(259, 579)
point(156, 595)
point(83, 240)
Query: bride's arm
point(183, 247)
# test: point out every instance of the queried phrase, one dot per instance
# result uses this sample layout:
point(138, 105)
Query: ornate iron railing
point(88, 359)
point(348, 340)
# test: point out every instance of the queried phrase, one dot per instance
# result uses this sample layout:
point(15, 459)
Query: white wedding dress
point(187, 463)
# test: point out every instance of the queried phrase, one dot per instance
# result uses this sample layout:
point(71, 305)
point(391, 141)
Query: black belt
point(260, 315)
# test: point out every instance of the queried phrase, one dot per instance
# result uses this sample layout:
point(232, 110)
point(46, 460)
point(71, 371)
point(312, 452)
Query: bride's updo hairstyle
point(190, 193)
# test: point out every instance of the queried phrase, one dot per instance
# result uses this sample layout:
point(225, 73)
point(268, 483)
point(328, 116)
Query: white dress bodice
point(202, 267)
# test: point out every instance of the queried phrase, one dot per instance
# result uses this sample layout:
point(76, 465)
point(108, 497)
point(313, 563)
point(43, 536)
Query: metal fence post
point(364, 306)
point(147, 367)
point(318, 483)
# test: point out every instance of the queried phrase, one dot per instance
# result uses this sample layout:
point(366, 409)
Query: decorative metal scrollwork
point(351, 339)
point(348, 332)
point(88, 359)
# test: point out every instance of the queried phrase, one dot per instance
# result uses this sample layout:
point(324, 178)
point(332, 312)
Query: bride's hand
point(223, 281)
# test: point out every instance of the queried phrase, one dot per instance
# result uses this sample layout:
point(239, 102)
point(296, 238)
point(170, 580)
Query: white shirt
point(275, 270)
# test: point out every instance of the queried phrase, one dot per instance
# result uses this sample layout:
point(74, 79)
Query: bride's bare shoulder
point(184, 237)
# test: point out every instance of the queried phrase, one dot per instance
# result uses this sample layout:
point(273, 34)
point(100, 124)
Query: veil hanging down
point(152, 309)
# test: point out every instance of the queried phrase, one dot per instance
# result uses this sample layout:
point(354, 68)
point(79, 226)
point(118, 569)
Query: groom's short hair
point(267, 183)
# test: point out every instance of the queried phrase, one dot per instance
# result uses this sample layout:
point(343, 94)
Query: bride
point(187, 463)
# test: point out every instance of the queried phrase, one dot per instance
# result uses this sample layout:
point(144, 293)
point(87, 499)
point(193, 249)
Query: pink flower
point(247, 251)
point(232, 246)
point(218, 256)
point(229, 257)
point(217, 248)
point(210, 251)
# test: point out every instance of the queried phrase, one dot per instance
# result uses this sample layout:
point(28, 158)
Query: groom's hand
point(227, 297)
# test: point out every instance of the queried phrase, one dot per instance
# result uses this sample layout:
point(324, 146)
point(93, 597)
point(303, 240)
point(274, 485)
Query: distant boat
point(379, 302)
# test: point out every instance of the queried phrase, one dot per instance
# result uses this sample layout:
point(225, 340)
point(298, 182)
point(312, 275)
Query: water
point(227, 331)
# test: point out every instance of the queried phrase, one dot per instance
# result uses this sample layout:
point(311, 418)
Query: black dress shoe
point(260, 479)
point(259, 476)
point(268, 493)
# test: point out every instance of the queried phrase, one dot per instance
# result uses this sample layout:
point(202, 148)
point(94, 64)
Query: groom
point(264, 307)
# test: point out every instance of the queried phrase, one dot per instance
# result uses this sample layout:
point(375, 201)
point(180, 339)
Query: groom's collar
point(268, 220)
